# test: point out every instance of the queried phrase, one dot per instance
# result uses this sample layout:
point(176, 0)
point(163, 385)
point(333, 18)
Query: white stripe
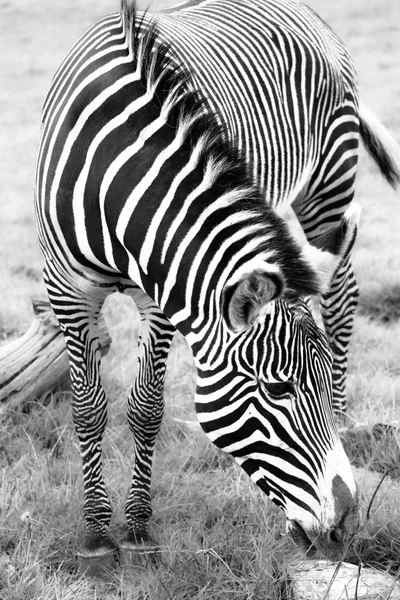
point(73, 136)
point(250, 246)
point(138, 192)
point(111, 173)
point(79, 190)
point(165, 203)
point(209, 210)
point(208, 179)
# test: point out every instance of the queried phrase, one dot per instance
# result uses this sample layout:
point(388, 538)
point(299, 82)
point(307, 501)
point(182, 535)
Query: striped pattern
point(250, 431)
point(139, 189)
point(284, 89)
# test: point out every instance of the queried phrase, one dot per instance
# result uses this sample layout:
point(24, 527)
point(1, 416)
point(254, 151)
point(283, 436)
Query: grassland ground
point(220, 538)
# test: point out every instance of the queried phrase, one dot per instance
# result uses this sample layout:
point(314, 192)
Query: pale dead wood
point(313, 580)
point(37, 362)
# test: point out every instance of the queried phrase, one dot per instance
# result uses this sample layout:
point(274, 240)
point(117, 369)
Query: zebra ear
point(244, 301)
point(325, 252)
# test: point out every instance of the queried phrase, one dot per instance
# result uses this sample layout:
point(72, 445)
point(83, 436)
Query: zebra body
point(284, 89)
point(284, 100)
point(139, 188)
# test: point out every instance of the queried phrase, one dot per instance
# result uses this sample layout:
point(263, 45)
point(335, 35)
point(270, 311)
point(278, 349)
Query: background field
point(217, 529)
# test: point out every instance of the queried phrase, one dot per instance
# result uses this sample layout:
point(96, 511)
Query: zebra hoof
point(139, 551)
point(98, 565)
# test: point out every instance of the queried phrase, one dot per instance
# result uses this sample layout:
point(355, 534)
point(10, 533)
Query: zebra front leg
point(337, 310)
point(145, 412)
point(97, 551)
point(78, 316)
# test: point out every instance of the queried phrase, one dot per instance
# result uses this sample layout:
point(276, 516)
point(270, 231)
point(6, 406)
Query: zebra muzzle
point(331, 544)
point(329, 541)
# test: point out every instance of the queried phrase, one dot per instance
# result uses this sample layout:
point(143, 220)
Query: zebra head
point(268, 399)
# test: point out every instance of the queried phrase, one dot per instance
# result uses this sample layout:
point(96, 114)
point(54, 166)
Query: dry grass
point(220, 538)
point(377, 543)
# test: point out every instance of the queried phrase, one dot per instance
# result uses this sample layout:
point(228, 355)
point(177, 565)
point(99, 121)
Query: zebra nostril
point(336, 535)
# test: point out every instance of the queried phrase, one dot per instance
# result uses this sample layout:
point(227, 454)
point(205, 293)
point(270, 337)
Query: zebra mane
point(172, 85)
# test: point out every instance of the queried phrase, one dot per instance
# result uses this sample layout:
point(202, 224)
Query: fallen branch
point(312, 580)
point(37, 362)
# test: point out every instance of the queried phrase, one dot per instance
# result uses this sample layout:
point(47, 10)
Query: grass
point(220, 538)
point(382, 305)
point(215, 529)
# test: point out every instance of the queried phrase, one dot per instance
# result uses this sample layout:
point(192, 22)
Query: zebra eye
point(279, 390)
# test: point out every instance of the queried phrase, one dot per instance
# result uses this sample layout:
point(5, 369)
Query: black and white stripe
point(138, 188)
point(284, 89)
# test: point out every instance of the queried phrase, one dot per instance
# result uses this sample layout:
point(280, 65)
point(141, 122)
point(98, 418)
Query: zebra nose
point(328, 536)
point(345, 519)
point(345, 510)
point(332, 544)
point(336, 535)
point(341, 494)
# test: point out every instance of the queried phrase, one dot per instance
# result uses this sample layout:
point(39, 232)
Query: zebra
point(284, 89)
point(138, 190)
